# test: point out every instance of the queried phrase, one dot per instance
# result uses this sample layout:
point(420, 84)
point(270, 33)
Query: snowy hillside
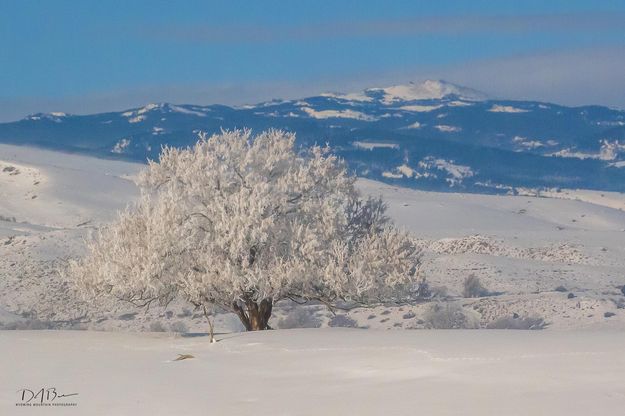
point(312, 372)
point(556, 259)
point(432, 135)
point(61, 190)
point(543, 263)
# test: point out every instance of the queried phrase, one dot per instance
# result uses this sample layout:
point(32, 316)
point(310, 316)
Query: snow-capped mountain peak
point(427, 90)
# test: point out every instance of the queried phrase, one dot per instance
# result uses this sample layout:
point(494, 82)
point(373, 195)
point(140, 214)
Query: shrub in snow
point(342, 321)
point(449, 315)
point(472, 288)
point(157, 326)
point(423, 290)
point(230, 323)
point(516, 322)
point(299, 318)
point(408, 315)
point(186, 312)
point(36, 324)
point(438, 292)
point(27, 324)
point(240, 222)
point(178, 326)
point(127, 316)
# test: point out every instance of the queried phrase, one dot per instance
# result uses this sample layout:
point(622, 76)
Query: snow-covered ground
point(318, 372)
point(60, 190)
point(555, 260)
point(49, 202)
point(522, 248)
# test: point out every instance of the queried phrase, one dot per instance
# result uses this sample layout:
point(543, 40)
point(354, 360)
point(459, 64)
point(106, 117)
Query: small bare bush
point(299, 318)
point(157, 326)
point(439, 292)
point(511, 322)
point(342, 321)
point(423, 291)
point(186, 312)
point(449, 316)
point(28, 324)
point(473, 288)
point(127, 316)
point(179, 327)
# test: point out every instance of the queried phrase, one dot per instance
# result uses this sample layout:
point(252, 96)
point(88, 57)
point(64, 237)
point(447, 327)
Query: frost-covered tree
point(240, 222)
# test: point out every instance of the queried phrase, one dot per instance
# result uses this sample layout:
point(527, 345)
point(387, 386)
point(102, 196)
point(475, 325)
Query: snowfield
point(319, 371)
point(556, 260)
point(562, 260)
point(62, 190)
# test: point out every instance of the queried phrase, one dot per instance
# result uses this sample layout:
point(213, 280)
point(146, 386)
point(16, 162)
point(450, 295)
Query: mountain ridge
point(430, 135)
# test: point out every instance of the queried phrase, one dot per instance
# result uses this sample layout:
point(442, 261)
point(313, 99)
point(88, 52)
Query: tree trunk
point(254, 316)
point(211, 329)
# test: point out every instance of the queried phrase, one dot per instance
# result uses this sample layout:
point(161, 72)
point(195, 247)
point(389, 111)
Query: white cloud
point(571, 77)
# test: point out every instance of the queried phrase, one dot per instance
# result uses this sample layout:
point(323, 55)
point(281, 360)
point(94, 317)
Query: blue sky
point(88, 56)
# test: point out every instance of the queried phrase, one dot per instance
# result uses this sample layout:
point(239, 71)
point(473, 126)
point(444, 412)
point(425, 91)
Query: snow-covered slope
point(553, 261)
point(521, 247)
point(312, 372)
point(58, 190)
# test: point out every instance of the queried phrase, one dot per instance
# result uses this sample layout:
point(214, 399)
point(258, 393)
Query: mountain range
point(432, 135)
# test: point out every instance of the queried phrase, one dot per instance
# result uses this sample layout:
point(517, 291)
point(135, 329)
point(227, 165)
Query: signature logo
point(45, 396)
